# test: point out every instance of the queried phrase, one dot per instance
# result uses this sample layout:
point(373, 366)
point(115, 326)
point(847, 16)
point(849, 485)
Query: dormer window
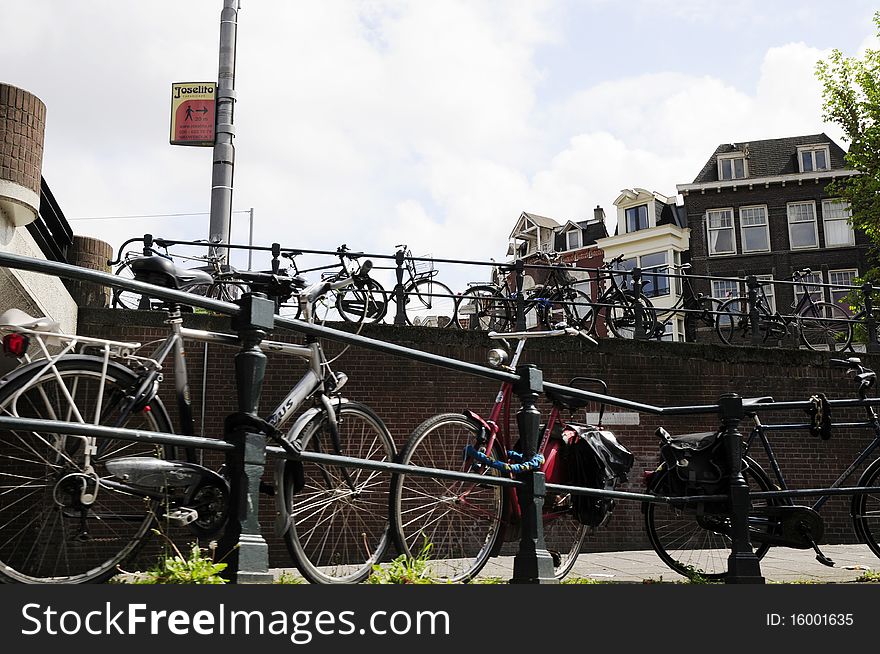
point(813, 158)
point(732, 166)
point(572, 239)
point(636, 218)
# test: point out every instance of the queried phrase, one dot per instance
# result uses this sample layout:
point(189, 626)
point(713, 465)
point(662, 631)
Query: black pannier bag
point(695, 461)
point(596, 460)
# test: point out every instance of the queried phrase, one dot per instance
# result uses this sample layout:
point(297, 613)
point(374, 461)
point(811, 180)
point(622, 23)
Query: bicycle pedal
point(182, 517)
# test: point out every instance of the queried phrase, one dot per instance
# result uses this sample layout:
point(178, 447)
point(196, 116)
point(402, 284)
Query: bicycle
point(699, 309)
point(466, 523)
point(75, 508)
point(820, 325)
point(623, 311)
point(493, 306)
point(427, 302)
point(216, 279)
point(695, 540)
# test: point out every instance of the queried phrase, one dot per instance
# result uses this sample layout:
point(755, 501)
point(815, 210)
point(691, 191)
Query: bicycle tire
point(694, 549)
point(482, 308)
point(866, 509)
point(622, 316)
point(734, 326)
point(564, 537)
point(121, 298)
point(339, 531)
point(49, 534)
point(363, 301)
point(429, 303)
point(826, 328)
point(461, 520)
point(570, 306)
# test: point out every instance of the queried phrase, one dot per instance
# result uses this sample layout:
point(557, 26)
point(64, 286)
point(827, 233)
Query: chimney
point(599, 213)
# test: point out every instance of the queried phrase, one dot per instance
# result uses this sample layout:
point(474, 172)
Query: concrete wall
point(404, 393)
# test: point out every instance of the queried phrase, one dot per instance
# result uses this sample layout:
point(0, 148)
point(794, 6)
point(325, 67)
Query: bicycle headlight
point(497, 357)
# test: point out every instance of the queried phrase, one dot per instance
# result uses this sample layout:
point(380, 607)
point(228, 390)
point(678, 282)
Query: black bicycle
point(699, 310)
point(696, 539)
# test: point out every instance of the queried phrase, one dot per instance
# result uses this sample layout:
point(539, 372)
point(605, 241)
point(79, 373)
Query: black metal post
point(532, 563)
point(242, 546)
point(276, 263)
point(743, 567)
point(399, 295)
point(754, 316)
point(520, 305)
point(640, 330)
point(870, 320)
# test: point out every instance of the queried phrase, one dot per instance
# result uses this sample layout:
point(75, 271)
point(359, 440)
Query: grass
point(869, 577)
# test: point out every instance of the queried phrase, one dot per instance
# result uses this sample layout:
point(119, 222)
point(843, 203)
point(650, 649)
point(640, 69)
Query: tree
point(851, 94)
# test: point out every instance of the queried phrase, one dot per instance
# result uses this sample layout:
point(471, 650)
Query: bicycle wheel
point(702, 318)
point(623, 315)
point(825, 326)
point(570, 306)
point(734, 325)
point(483, 308)
point(563, 535)
point(339, 520)
point(866, 509)
point(429, 303)
point(699, 544)
point(125, 299)
point(225, 291)
point(460, 519)
point(363, 301)
point(50, 531)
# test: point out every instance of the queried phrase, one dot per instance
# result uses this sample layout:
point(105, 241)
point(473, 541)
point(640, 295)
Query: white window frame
point(577, 234)
point(813, 148)
point(710, 229)
point(818, 294)
point(636, 207)
point(826, 220)
point(812, 205)
point(855, 273)
point(743, 227)
point(731, 157)
point(731, 286)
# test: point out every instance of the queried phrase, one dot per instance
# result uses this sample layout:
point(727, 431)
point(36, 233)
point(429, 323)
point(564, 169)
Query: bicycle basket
point(695, 461)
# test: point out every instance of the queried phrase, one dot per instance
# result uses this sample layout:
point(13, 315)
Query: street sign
point(193, 112)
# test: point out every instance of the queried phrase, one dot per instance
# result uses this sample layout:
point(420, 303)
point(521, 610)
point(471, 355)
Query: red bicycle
point(466, 523)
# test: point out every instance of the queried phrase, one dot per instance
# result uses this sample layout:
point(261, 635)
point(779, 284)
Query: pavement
point(779, 565)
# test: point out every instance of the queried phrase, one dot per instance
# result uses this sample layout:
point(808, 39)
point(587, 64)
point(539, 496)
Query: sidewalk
point(779, 565)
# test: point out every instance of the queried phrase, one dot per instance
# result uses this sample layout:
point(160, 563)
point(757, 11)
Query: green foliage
point(869, 577)
point(578, 581)
point(851, 94)
point(288, 578)
point(404, 569)
point(178, 569)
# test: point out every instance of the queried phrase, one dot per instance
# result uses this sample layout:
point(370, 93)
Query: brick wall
point(404, 393)
point(22, 123)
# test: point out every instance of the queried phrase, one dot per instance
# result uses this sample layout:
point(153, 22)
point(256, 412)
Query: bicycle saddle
point(565, 401)
point(162, 272)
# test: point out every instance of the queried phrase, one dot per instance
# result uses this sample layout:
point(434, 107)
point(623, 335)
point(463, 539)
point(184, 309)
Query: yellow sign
point(193, 112)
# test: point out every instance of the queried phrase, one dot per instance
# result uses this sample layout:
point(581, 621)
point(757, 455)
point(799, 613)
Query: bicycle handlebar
point(559, 331)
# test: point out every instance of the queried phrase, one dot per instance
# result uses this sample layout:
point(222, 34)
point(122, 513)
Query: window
point(719, 223)
point(572, 239)
point(636, 218)
point(755, 231)
point(723, 289)
point(802, 231)
point(845, 278)
point(815, 291)
point(838, 230)
point(657, 284)
point(625, 264)
point(732, 167)
point(813, 158)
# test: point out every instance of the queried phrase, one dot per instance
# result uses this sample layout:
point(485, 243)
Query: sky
point(430, 123)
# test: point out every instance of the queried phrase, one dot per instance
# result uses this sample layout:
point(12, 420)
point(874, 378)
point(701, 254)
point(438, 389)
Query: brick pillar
point(22, 127)
point(88, 252)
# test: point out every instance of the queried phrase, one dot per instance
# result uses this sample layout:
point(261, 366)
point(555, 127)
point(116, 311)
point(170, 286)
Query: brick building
point(762, 208)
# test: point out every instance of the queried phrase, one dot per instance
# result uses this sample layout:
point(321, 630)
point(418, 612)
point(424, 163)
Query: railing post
point(640, 331)
point(870, 322)
point(754, 316)
point(743, 566)
point(519, 268)
point(276, 262)
point(243, 546)
point(399, 295)
point(532, 563)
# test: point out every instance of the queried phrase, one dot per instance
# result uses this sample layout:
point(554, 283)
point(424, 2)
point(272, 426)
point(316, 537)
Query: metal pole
point(640, 329)
point(754, 316)
point(224, 150)
point(251, 239)
point(743, 566)
point(870, 321)
point(532, 563)
point(520, 306)
point(399, 296)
